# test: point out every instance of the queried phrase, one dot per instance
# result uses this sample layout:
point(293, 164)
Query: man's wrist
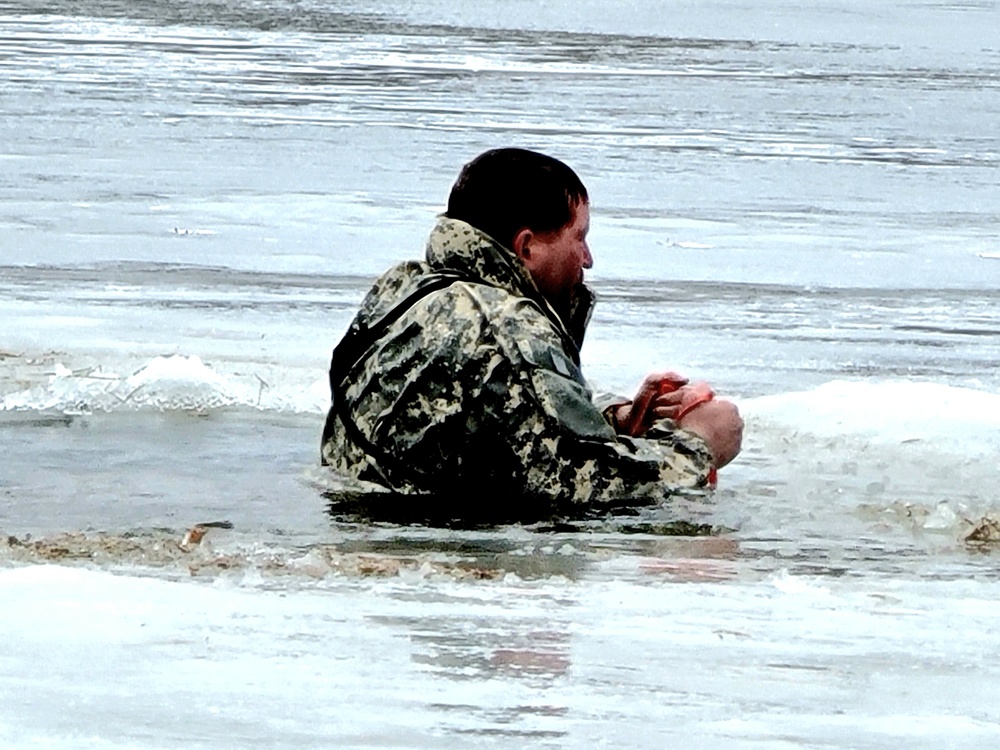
point(614, 418)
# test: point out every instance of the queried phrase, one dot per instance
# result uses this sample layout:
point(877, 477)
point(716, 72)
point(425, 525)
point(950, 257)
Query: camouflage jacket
point(475, 388)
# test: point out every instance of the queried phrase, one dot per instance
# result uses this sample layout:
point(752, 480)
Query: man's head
point(535, 206)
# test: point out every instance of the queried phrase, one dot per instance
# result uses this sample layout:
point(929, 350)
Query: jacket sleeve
point(563, 444)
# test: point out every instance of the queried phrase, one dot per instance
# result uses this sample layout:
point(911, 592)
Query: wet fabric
point(473, 390)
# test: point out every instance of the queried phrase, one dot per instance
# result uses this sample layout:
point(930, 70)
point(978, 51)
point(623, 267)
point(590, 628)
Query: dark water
point(196, 194)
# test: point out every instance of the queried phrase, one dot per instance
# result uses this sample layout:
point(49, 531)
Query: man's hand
point(635, 418)
point(719, 424)
point(692, 406)
point(678, 403)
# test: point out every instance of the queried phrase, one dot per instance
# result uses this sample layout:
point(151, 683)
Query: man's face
point(556, 260)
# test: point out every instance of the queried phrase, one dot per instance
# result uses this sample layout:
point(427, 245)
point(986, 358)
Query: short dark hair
point(504, 190)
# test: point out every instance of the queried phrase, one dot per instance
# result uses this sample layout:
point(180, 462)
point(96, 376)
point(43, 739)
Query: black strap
point(356, 344)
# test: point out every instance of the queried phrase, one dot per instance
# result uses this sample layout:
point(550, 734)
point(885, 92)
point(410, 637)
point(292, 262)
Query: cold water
point(797, 203)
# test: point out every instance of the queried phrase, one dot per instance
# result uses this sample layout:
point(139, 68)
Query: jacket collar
point(459, 247)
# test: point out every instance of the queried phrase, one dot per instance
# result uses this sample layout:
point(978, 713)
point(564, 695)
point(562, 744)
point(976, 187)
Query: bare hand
point(677, 403)
point(693, 407)
point(719, 424)
point(635, 418)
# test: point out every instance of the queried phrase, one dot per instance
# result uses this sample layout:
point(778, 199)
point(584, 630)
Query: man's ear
point(522, 244)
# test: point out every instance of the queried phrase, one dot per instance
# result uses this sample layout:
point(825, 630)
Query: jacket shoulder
point(389, 288)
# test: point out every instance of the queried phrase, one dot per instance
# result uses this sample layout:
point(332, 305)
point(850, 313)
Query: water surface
point(798, 204)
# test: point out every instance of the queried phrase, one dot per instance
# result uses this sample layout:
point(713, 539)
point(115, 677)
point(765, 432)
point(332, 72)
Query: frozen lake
point(798, 204)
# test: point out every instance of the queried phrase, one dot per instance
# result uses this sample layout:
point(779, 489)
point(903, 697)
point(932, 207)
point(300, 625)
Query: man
point(460, 376)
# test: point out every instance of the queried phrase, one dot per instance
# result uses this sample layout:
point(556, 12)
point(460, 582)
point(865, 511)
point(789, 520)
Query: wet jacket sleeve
point(564, 446)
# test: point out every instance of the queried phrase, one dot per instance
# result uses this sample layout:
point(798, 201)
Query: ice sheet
point(101, 660)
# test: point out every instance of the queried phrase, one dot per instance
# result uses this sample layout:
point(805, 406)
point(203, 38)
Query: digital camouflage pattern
point(476, 389)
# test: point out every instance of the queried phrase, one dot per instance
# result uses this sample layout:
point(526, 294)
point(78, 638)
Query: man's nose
point(588, 259)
